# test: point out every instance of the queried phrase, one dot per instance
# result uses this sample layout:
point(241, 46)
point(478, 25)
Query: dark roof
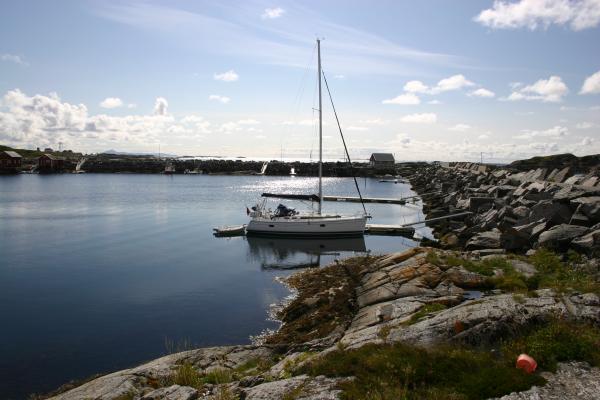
point(12, 154)
point(382, 157)
point(50, 156)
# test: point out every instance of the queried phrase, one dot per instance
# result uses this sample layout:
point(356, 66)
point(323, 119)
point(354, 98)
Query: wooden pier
point(351, 199)
point(392, 230)
point(383, 200)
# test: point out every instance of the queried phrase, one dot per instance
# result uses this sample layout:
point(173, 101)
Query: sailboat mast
point(320, 128)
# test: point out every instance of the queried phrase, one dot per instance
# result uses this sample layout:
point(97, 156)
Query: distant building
point(382, 160)
point(48, 150)
point(48, 162)
point(10, 160)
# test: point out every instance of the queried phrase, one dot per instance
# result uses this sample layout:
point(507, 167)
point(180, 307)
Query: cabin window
point(322, 225)
point(271, 226)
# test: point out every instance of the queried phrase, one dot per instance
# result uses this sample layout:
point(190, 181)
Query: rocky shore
point(518, 275)
point(514, 209)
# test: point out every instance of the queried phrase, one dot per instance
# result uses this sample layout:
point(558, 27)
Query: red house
point(10, 161)
point(48, 162)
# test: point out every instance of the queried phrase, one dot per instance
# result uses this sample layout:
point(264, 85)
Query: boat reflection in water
point(293, 253)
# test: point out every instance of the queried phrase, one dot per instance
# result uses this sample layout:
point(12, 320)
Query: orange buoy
point(526, 363)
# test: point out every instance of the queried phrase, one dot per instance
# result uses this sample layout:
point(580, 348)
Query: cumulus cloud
point(403, 99)
point(434, 102)
point(219, 98)
point(13, 58)
point(460, 128)
point(454, 82)
point(160, 106)
point(584, 125)
point(554, 132)
point(534, 14)
point(271, 13)
point(550, 90)
point(111, 102)
point(481, 92)
point(415, 87)
point(229, 76)
point(424, 118)
point(373, 121)
point(44, 120)
point(591, 84)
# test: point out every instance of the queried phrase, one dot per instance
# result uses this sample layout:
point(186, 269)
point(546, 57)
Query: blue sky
point(427, 80)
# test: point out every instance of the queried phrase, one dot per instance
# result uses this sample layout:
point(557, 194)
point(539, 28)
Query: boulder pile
point(557, 208)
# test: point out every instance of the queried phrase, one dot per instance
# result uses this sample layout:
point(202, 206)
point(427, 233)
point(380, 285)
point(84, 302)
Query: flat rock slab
point(299, 388)
point(174, 392)
point(572, 381)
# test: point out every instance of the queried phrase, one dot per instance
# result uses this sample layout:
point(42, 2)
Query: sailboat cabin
point(382, 160)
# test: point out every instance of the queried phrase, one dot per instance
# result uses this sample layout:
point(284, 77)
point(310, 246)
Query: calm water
point(97, 272)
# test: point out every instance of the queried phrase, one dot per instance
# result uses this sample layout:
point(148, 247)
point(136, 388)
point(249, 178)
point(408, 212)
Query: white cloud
point(591, 84)
point(13, 58)
point(586, 141)
point(160, 106)
point(131, 105)
point(416, 87)
point(454, 82)
point(434, 102)
point(403, 99)
point(550, 90)
point(483, 136)
point(339, 76)
point(229, 76)
point(533, 14)
point(424, 118)
point(481, 92)
point(460, 128)
point(111, 102)
point(554, 132)
point(584, 125)
point(271, 13)
point(357, 128)
point(219, 98)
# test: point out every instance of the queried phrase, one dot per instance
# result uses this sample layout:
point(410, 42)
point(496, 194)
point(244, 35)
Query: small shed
point(10, 160)
point(382, 160)
point(50, 162)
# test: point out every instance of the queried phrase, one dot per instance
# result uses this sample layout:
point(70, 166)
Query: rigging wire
point(344, 142)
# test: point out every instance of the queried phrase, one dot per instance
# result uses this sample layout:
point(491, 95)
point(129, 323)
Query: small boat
point(237, 230)
point(169, 169)
point(389, 180)
point(293, 172)
point(192, 171)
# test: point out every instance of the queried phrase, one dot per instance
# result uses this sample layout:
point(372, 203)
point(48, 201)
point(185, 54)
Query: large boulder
point(559, 237)
point(589, 206)
point(485, 240)
point(589, 243)
point(551, 211)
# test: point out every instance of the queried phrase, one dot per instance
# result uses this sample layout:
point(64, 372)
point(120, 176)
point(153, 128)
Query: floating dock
point(351, 199)
point(392, 230)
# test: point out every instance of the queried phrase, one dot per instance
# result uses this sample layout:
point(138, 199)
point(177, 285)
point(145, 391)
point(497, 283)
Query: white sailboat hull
point(315, 226)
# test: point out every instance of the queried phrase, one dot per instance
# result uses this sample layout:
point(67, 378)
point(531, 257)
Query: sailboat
point(285, 221)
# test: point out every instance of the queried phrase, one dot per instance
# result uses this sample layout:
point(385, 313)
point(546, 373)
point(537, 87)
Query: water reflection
point(293, 253)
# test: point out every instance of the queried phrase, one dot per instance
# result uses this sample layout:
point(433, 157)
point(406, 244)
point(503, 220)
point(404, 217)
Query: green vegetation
point(552, 272)
point(319, 310)
point(426, 309)
point(186, 375)
point(401, 371)
point(560, 276)
point(555, 342)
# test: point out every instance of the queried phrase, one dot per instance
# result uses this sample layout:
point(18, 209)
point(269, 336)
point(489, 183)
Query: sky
point(425, 80)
